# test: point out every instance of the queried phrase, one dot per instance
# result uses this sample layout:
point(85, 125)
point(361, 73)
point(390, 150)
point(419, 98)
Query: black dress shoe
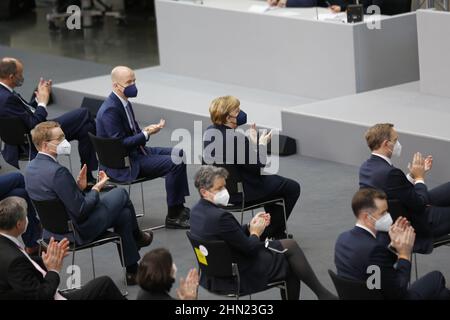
point(177, 223)
point(145, 239)
point(186, 213)
point(131, 279)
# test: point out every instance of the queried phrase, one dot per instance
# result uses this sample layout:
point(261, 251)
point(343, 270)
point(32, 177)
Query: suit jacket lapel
point(118, 104)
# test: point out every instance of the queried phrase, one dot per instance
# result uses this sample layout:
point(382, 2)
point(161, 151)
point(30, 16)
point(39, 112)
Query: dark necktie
point(130, 113)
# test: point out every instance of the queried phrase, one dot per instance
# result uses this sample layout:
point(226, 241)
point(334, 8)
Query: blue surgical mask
point(131, 91)
point(241, 118)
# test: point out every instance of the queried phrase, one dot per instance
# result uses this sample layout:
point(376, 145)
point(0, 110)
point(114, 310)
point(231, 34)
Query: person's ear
point(203, 192)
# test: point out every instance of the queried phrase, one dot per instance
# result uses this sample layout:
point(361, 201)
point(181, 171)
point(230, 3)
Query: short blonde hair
point(41, 132)
point(221, 107)
point(378, 133)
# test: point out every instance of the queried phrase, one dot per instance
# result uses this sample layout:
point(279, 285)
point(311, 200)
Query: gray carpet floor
point(322, 213)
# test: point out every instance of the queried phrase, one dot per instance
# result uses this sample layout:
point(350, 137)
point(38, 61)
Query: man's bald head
point(121, 73)
point(122, 77)
point(11, 71)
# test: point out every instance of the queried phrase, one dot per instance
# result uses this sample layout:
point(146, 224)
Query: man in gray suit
point(91, 214)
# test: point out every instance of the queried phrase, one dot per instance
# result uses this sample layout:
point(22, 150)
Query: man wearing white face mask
point(259, 262)
point(361, 247)
point(90, 213)
point(429, 209)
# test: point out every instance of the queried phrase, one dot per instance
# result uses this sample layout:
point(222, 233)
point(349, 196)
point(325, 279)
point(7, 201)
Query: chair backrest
point(93, 105)
point(13, 131)
point(234, 180)
point(213, 257)
point(53, 216)
point(353, 290)
point(110, 152)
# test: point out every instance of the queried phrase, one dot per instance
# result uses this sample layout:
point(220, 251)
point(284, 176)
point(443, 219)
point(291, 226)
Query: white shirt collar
point(7, 87)
point(383, 157)
point(367, 229)
point(124, 102)
point(13, 239)
point(48, 155)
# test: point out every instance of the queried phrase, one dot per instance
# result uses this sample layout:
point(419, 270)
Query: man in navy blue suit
point(361, 247)
point(13, 184)
point(91, 213)
point(429, 210)
point(76, 124)
point(116, 119)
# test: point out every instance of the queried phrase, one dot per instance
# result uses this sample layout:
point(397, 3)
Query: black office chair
point(93, 105)
point(112, 154)
point(218, 263)
point(396, 210)
point(54, 218)
point(235, 186)
point(14, 133)
point(353, 290)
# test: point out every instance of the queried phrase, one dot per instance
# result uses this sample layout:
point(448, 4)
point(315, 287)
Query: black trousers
point(101, 288)
point(429, 287)
point(277, 187)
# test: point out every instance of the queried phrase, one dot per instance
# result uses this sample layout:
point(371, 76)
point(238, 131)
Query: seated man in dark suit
point(359, 248)
point(33, 278)
point(116, 119)
point(429, 209)
point(76, 124)
point(258, 264)
point(91, 214)
point(13, 184)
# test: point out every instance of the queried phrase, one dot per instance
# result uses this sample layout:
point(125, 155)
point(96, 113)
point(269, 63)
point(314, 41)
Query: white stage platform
point(334, 129)
point(181, 100)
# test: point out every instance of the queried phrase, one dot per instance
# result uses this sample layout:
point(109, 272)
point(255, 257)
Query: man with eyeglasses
point(429, 209)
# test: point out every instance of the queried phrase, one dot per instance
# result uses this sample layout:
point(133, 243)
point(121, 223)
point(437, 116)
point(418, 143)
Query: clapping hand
point(56, 252)
point(417, 167)
point(102, 179)
point(188, 289)
point(82, 178)
point(155, 128)
point(265, 216)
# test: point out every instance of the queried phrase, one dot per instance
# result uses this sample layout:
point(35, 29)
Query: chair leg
point(285, 218)
point(122, 260)
point(242, 217)
point(92, 261)
point(415, 266)
point(73, 269)
point(142, 199)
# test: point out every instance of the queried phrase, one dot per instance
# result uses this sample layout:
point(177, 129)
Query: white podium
point(284, 50)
